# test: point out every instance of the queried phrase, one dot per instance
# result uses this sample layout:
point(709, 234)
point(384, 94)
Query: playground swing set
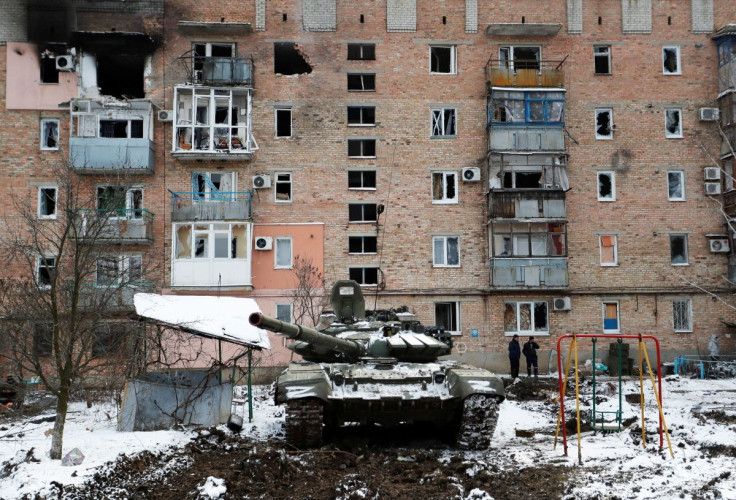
point(602, 424)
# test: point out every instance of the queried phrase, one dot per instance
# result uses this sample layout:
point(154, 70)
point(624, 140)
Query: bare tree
point(308, 298)
point(69, 277)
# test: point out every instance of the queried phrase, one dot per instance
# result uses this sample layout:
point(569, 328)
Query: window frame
point(279, 182)
point(279, 241)
point(673, 135)
point(42, 140)
point(363, 186)
point(601, 246)
point(40, 260)
point(210, 233)
point(362, 279)
point(281, 305)
point(612, 176)
point(40, 202)
point(111, 341)
point(444, 240)
point(601, 55)
point(362, 238)
point(43, 338)
point(280, 111)
point(124, 266)
point(616, 330)
point(362, 206)
point(366, 81)
point(131, 210)
point(363, 142)
point(509, 62)
point(361, 122)
point(453, 59)
point(611, 126)
point(210, 192)
point(444, 199)
point(678, 60)
point(681, 174)
point(516, 307)
point(686, 252)
point(440, 125)
point(505, 243)
point(455, 313)
point(689, 316)
point(361, 56)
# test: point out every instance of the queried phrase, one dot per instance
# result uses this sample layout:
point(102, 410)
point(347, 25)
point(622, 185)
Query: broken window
point(513, 179)
point(673, 123)
point(212, 120)
point(602, 59)
point(361, 115)
point(446, 251)
point(682, 315)
point(361, 81)
point(121, 75)
point(109, 338)
point(117, 201)
point(210, 241)
point(288, 60)
point(442, 59)
point(282, 255)
point(676, 185)
point(282, 187)
point(365, 276)
point(609, 250)
point(444, 187)
point(528, 106)
point(213, 186)
point(671, 60)
point(362, 244)
point(361, 148)
point(49, 134)
point(119, 270)
point(45, 269)
point(283, 122)
point(49, 73)
point(443, 122)
point(525, 317)
point(47, 202)
point(121, 129)
point(729, 173)
point(610, 317)
point(361, 51)
point(604, 124)
point(43, 335)
point(447, 316)
point(205, 57)
point(678, 250)
point(362, 212)
point(520, 57)
point(606, 186)
point(523, 240)
point(362, 179)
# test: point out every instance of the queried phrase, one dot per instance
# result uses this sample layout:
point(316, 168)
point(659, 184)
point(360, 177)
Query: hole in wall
point(444, 19)
point(600, 20)
point(362, 18)
point(669, 20)
point(288, 60)
point(523, 19)
point(283, 17)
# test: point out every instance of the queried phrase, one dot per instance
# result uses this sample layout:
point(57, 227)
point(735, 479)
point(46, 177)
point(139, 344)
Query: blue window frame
point(524, 108)
point(726, 50)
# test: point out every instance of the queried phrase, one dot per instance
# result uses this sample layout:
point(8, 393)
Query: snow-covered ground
point(701, 417)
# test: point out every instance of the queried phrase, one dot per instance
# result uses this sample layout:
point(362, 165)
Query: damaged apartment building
point(531, 168)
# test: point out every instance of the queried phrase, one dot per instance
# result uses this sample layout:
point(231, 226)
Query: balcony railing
point(218, 71)
point(535, 272)
point(191, 206)
point(94, 155)
point(124, 226)
point(524, 73)
point(527, 204)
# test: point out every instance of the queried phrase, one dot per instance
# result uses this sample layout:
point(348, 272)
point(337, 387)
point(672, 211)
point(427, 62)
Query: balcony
point(526, 120)
point(112, 298)
point(524, 73)
point(527, 204)
point(120, 226)
point(99, 155)
point(192, 206)
point(535, 272)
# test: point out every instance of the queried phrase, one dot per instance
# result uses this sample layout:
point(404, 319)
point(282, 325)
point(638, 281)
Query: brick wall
point(13, 22)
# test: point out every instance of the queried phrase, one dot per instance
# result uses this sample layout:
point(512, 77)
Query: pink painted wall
point(24, 89)
point(307, 242)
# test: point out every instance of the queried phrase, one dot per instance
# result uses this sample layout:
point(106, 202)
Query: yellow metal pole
point(641, 394)
point(577, 398)
point(659, 404)
point(559, 413)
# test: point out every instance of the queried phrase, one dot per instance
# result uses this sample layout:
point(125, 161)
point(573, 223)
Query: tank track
point(303, 423)
point(478, 421)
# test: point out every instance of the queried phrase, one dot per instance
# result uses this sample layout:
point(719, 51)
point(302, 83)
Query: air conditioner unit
point(264, 243)
point(708, 114)
point(719, 245)
point(165, 115)
point(471, 174)
point(561, 304)
point(65, 62)
point(712, 188)
point(712, 174)
point(261, 181)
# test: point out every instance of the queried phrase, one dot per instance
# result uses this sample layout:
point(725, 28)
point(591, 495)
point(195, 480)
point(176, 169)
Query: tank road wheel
point(304, 423)
point(477, 423)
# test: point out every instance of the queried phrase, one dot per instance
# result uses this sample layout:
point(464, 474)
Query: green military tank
point(380, 368)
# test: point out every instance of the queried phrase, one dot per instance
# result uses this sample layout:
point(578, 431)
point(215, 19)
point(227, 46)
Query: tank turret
point(379, 367)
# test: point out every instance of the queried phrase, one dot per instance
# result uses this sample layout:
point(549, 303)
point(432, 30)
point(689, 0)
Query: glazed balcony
point(527, 204)
point(120, 226)
point(525, 273)
point(194, 206)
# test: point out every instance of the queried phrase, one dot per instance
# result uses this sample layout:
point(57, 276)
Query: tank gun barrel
point(297, 332)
